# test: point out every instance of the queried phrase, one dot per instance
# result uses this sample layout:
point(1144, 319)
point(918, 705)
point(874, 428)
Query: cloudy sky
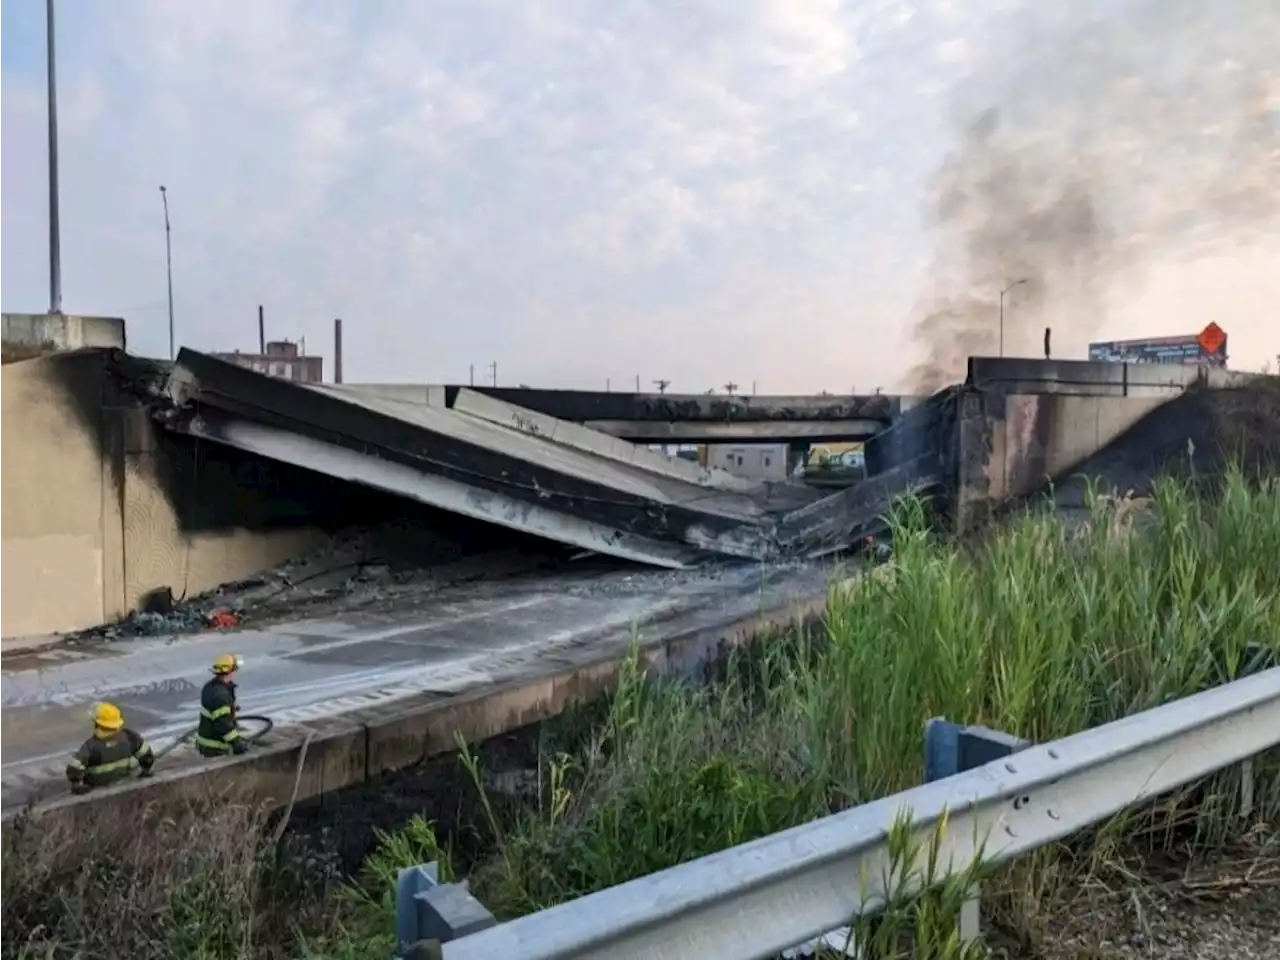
point(714, 191)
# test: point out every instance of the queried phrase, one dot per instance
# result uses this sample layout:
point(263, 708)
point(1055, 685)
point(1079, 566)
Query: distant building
point(283, 359)
point(756, 461)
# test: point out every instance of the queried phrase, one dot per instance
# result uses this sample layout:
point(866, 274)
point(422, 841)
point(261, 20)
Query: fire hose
point(266, 726)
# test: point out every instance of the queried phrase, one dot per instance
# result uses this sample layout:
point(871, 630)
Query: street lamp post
point(55, 255)
point(1016, 283)
point(168, 264)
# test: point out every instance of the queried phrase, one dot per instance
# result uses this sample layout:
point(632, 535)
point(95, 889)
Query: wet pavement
point(448, 642)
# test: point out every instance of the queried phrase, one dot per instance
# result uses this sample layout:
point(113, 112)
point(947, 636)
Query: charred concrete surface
point(388, 688)
point(583, 405)
point(1023, 427)
point(493, 461)
point(103, 508)
point(1017, 428)
point(676, 418)
point(738, 431)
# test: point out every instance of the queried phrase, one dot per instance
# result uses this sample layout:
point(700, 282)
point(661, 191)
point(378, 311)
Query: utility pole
point(1016, 283)
point(729, 388)
point(493, 371)
point(55, 230)
point(662, 385)
point(168, 262)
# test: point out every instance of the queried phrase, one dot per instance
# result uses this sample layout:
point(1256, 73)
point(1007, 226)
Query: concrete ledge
point(1097, 379)
point(34, 334)
point(359, 746)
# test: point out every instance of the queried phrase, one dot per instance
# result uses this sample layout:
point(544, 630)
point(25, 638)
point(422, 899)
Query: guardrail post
point(950, 749)
point(1246, 789)
point(429, 913)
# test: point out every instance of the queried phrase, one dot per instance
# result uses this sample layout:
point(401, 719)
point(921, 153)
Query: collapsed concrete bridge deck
point(483, 457)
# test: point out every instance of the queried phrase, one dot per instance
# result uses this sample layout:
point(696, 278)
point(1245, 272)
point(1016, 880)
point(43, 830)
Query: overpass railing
point(765, 897)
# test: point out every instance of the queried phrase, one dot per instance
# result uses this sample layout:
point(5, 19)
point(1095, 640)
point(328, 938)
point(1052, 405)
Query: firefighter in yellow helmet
point(111, 754)
point(218, 734)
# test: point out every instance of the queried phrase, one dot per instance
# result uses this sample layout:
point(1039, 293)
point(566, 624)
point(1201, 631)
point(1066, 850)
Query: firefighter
point(218, 734)
point(111, 754)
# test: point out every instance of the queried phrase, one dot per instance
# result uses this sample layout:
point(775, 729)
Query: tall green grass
point(1048, 627)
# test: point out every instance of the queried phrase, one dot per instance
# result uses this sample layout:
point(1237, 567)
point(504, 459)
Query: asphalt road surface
point(453, 641)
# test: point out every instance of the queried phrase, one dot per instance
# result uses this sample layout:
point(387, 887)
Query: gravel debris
point(1228, 910)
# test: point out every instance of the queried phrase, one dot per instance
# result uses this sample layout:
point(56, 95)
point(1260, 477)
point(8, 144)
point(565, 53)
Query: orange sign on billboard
point(1211, 339)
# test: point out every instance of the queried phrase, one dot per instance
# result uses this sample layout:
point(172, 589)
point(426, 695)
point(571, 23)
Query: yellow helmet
point(226, 663)
point(107, 716)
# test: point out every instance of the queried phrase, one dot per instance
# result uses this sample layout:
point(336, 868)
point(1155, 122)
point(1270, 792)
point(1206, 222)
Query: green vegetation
point(1045, 628)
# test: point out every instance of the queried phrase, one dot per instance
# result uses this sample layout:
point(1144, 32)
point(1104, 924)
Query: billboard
point(1208, 347)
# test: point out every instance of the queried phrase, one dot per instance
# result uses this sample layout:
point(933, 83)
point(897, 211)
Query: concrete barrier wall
point(89, 518)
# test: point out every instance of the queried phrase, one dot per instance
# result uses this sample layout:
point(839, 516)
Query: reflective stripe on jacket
point(104, 759)
point(217, 728)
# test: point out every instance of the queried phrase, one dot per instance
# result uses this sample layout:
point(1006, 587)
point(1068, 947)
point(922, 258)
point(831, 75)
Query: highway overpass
point(679, 417)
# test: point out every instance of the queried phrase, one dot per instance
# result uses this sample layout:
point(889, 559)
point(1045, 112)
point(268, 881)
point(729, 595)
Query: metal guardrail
point(763, 897)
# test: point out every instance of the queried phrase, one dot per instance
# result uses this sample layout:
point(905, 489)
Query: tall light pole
point(1016, 283)
point(55, 255)
point(168, 264)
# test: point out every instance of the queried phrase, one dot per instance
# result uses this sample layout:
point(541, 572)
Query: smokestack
point(337, 350)
point(262, 332)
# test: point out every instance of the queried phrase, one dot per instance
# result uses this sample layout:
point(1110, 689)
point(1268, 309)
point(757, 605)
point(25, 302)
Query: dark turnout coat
point(109, 757)
point(218, 732)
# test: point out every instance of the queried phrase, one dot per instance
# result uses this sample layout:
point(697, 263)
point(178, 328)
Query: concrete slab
point(763, 431)
point(475, 404)
point(580, 406)
point(376, 662)
point(465, 463)
point(440, 492)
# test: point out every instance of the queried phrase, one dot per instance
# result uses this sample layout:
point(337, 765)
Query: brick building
point(283, 359)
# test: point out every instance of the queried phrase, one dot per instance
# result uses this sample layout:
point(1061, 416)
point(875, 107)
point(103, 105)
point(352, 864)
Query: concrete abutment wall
point(92, 503)
point(1023, 425)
